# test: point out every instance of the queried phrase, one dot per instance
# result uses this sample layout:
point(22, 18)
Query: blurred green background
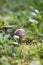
point(28, 15)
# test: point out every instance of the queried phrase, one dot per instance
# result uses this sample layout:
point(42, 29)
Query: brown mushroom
point(20, 33)
point(7, 27)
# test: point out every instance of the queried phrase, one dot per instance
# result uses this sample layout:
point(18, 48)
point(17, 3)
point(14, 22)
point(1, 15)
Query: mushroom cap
point(19, 32)
point(7, 27)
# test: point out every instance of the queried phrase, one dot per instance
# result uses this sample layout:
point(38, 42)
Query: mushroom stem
point(20, 40)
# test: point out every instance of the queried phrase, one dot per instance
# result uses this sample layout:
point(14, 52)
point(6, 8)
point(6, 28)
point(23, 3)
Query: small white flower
point(4, 58)
point(35, 63)
point(33, 14)
point(15, 36)
point(32, 20)
point(37, 11)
